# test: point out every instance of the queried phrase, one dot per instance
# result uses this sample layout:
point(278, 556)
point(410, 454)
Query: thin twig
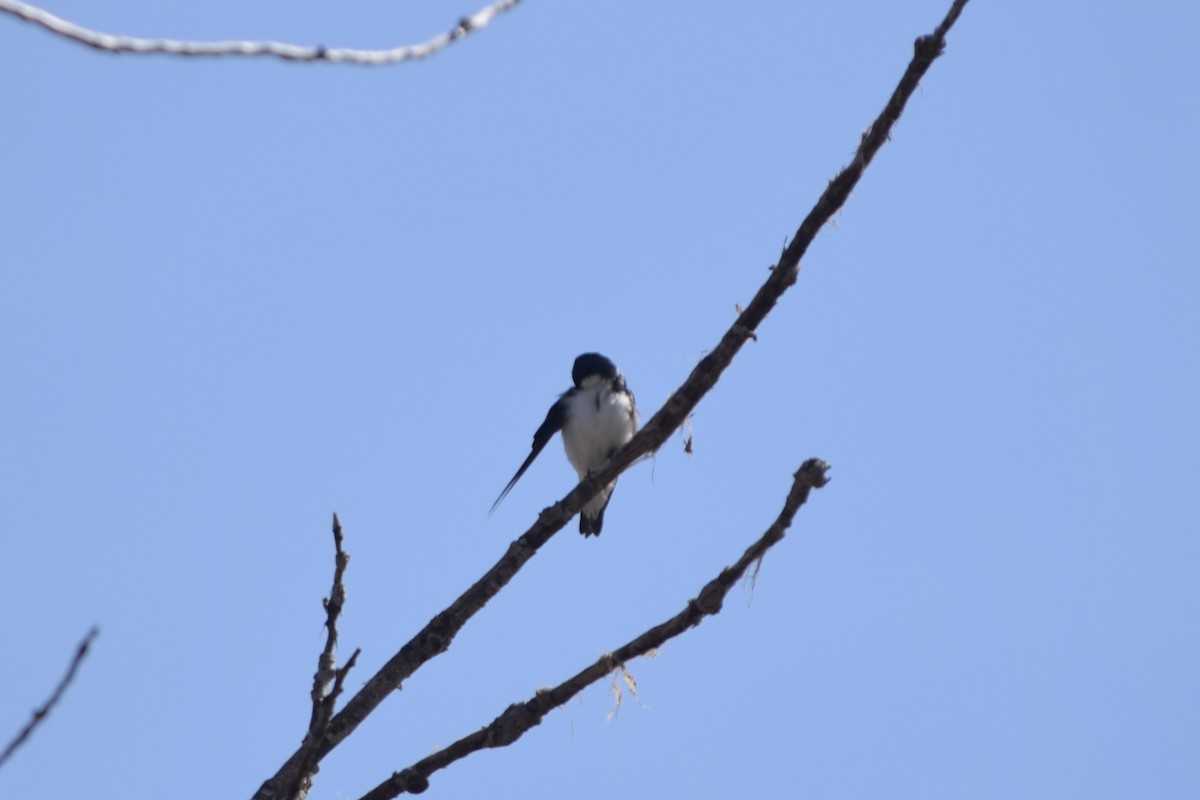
point(519, 718)
point(328, 680)
point(116, 43)
point(327, 663)
point(40, 714)
point(438, 633)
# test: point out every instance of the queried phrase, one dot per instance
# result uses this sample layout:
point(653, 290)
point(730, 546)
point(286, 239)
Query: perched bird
point(597, 417)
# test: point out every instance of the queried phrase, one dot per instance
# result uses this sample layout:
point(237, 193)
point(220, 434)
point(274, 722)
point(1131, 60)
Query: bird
point(597, 417)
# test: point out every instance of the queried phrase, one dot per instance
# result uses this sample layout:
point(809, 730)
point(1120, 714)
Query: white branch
point(115, 43)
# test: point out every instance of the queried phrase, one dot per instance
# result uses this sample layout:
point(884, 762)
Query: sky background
point(238, 295)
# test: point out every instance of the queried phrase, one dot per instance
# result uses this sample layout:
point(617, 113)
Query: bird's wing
point(555, 418)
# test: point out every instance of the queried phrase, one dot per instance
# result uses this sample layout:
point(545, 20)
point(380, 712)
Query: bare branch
point(519, 718)
point(40, 714)
point(438, 633)
point(328, 680)
point(116, 43)
point(327, 663)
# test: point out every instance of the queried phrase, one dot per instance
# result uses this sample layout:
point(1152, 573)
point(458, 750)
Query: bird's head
point(592, 366)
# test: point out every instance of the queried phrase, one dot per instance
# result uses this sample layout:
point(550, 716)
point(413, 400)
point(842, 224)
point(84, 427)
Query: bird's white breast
point(599, 422)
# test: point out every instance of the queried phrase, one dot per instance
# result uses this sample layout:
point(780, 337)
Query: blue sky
point(239, 295)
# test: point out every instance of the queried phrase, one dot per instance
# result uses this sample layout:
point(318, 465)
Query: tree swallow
point(597, 417)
